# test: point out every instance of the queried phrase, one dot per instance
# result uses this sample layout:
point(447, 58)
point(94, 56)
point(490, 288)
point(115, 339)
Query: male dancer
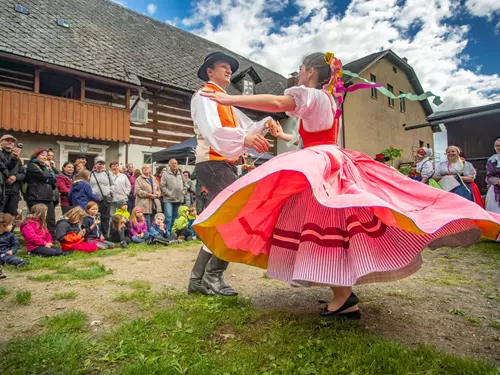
point(223, 134)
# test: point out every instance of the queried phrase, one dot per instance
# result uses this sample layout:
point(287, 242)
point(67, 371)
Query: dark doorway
point(90, 159)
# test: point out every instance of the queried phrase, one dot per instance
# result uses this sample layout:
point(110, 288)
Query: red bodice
point(322, 137)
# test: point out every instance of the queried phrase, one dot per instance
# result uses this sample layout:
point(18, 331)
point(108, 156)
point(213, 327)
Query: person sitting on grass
point(9, 244)
point(119, 231)
point(123, 210)
point(139, 226)
point(93, 229)
point(182, 225)
point(81, 192)
point(70, 234)
point(36, 235)
point(159, 231)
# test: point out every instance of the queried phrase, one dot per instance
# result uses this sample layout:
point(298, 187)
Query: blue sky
point(453, 45)
point(483, 47)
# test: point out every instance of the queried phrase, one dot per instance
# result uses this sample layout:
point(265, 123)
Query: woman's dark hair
point(188, 173)
point(159, 170)
point(67, 163)
point(137, 173)
point(317, 62)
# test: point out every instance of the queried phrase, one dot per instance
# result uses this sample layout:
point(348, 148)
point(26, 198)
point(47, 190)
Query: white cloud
point(436, 50)
point(152, 8)
point(483, 8)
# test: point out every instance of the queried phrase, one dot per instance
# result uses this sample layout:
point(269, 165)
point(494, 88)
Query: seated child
point(159, 233)
point(138, 226)
point(183, 224)
point(119, 232)
point(36, 235)
point(70, 234)
point(123, 210)
point(81, 191)
point(93, 229)
point(9, 244)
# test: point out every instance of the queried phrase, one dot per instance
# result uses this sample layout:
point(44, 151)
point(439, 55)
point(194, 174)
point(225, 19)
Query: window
point(140, 112)
point(374, 90)
point(148, 158)
point(394, 70)
point(390, 101)
point(402, 103)
point(248, 86)
point(421, 143)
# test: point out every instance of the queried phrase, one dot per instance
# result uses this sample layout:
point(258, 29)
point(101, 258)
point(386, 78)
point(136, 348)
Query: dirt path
point(451, 303)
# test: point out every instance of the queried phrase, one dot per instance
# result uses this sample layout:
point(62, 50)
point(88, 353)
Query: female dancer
point(328, 216)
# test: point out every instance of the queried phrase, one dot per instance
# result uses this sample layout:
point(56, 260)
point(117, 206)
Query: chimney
point(405, 60)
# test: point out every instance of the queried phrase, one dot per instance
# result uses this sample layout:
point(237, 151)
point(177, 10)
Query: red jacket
point(33, 234)
point(63, 184)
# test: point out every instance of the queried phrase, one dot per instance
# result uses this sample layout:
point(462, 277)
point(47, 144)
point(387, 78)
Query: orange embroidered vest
point(228, 120)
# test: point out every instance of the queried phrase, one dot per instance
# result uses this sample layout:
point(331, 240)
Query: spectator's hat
point(81, 156)
point(99, 159)
point(8, 136)
point(122, 203)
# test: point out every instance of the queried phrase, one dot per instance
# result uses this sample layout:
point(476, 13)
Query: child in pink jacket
point(36, 235)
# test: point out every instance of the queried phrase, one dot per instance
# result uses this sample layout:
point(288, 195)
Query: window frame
point(402, 103)
point(390, 101)
point(373, 79)
point(147, 156)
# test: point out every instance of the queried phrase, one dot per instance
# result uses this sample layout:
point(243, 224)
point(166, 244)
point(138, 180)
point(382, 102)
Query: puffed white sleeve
point(248, 125)
point(229, 142)
point(469, 170)
point(313, 106)
point(427, 169)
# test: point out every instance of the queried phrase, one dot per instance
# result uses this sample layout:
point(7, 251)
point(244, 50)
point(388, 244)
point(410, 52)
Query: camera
point(19, 145)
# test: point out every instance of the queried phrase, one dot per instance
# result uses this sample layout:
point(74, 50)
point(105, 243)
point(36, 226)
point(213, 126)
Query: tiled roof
point(109, 40)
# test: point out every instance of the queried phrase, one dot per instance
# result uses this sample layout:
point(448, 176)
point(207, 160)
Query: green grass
point(70, 321)
point(3, 292)
point(22, 298)
point(71, 294)
point(91, 270)
point(495, 324)
point(204, 336)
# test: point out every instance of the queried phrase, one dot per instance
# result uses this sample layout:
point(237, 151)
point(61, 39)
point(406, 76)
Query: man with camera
point(12, 173)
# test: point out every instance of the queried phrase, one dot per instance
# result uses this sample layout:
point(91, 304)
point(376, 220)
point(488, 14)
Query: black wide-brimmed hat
point(213, 58)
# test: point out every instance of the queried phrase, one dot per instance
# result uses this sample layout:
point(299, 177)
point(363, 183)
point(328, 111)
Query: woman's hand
point(275, 128)
point(218, 97)
point(49, 244)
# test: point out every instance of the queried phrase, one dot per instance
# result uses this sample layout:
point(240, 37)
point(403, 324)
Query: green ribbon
point(437, 99)
point(295, 135)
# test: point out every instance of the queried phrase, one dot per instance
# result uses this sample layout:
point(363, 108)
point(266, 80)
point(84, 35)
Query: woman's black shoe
point(350, 302)
point(353, 315)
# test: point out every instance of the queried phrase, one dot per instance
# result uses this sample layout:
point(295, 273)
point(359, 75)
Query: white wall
point(136, 154)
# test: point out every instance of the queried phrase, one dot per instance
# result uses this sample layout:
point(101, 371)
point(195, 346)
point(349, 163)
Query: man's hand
point(9, 252)
point(257, 142)
point(11, 180)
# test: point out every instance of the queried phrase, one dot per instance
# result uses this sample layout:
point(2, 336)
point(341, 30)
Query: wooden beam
point(27, 60)
point(147, 142)
point(82, 90)
point(36, 86)
point(169, 127)
point(156, 136)
point(159, 117)
point(127, 98)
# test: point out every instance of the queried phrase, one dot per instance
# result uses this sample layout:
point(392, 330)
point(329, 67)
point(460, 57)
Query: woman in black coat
point(41, 182)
